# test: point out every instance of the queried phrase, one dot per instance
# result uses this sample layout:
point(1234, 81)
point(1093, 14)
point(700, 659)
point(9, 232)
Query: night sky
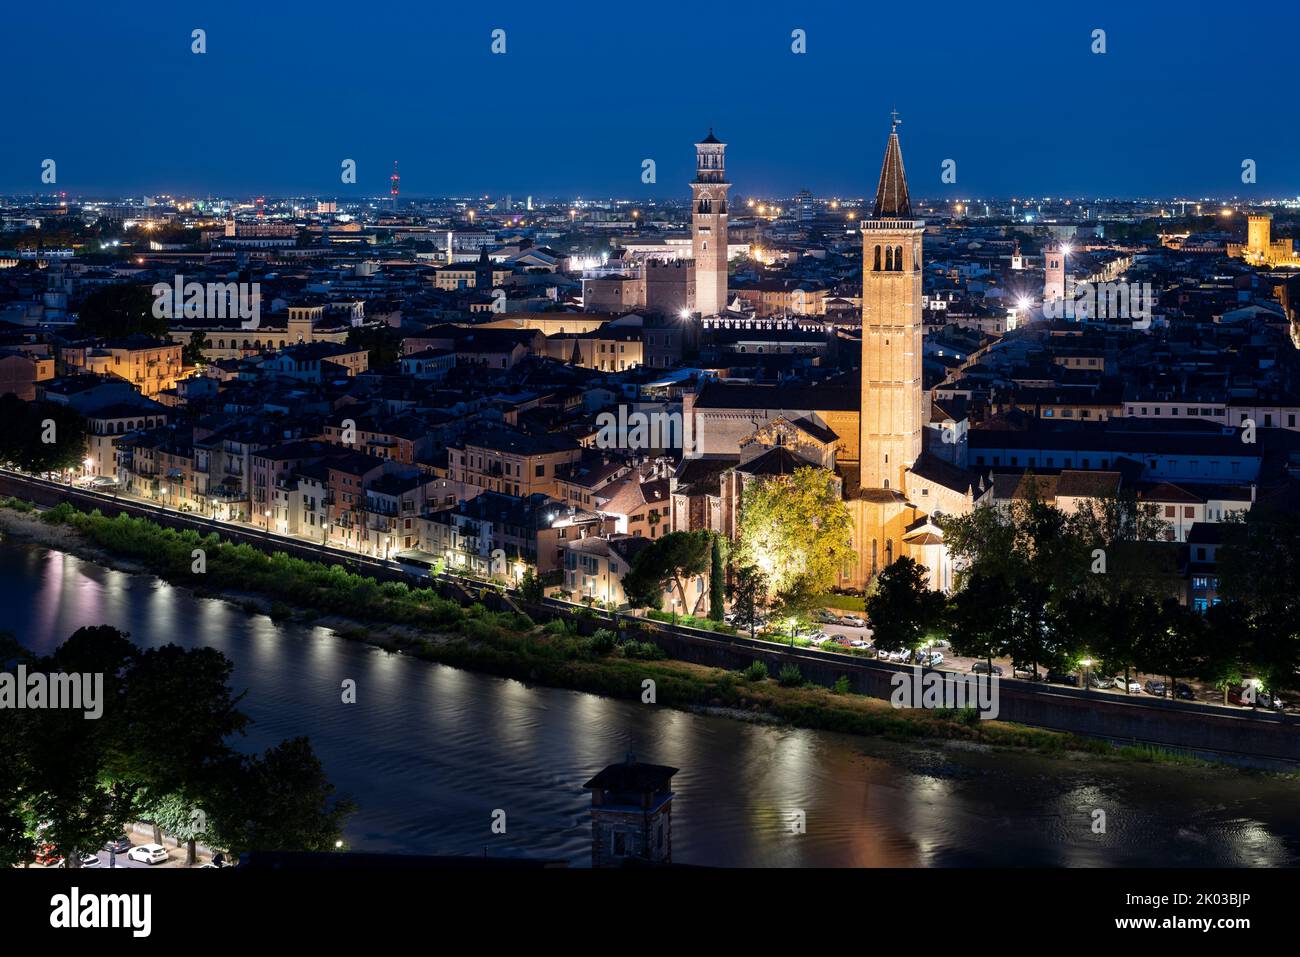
point(586, 91)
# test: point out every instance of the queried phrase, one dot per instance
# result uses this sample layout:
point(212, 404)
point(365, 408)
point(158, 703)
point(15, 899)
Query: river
point(430, 752)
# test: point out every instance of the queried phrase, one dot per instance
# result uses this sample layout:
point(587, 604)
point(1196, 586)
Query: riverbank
point(420, 623)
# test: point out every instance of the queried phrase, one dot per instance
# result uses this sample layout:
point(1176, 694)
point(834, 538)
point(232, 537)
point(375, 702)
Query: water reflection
point(430, 752)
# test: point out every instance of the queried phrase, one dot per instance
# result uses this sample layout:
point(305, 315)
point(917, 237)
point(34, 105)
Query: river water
point(430, 752)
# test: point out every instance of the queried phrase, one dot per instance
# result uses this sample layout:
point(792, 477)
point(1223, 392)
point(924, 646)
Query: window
point(539, 470)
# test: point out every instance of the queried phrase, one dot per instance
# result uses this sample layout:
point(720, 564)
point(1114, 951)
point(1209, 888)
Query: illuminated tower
point(1053, 272)
point(709, 226)
point(394, 181)
point(1259, 236)
point(1017, 260)
point(891, 405)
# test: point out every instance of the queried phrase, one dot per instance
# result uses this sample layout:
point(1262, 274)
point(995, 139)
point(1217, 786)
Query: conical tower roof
point(892, 200)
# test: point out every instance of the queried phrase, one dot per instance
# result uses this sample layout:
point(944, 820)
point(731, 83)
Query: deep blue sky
point(1011, 91)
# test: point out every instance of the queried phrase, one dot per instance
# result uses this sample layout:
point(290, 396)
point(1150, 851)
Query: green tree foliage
point(192, 353)
point(159, 751)
point(796, 527)
point(41, 436)
point(980, 618)
point(748, 589)
point(278, 801)
point(120, 310)
point(1259, 576)
point(667, 563)
point(902, 610)
point(717, 580)
point(383, 342)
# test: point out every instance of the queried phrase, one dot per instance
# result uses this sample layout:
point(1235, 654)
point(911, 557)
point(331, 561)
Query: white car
point(1133, 686)
point(933, 659)
point(852, 621)
point(148, 854)
point(820, 638)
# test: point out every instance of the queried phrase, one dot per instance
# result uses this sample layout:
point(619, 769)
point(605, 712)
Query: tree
point(748, 590)
point(717, 581)
point(118, 311)
point(277, 801)
point(531, 589)
point(192, 354)
point(158, 749)
point(794, 526)
point(383, 342)
point(980, 616)
point(1170, 647)
point(667, 563)
point(41, 436)
point(1259, 570)
point(902, 611)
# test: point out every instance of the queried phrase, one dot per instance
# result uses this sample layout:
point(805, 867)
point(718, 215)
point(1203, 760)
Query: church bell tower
point(891, 405)
point(709, 225)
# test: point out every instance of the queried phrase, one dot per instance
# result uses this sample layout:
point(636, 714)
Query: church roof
point(778, 461)
point(710, 139)
point(892, 200)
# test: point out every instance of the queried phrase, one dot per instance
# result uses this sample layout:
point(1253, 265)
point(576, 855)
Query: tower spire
point(892, 199)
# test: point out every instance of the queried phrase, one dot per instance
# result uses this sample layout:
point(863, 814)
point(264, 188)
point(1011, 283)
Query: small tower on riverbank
point(631, 814)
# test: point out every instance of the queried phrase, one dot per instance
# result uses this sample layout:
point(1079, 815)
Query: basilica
point(877, 436)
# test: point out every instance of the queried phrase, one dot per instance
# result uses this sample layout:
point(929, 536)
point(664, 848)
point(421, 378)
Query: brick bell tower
point(709, 225)
point(890, 410)
point(892, 393)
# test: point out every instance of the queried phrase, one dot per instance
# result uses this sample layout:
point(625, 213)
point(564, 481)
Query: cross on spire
point(896, 120)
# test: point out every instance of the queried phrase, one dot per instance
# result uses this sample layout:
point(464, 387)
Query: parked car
point(826, 618)
point(87, 860)
point(148, 854)
point(842, 641)
point(1184, 691)
point(820, 638)
point(47, 856)
point(1131, 685)
point(1062, 678)
point(1155, 687)
point(982, 668)
point(933, 659)
point(901, 656)
point(1026, 672)
point(853, 621)
point(1268, 700)
point(121, 844)
point(1101, 681)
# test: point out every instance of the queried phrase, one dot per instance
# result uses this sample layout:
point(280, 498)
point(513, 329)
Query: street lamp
point(1087, 670)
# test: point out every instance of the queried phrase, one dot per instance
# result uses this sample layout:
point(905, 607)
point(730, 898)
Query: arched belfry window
point(877, 267)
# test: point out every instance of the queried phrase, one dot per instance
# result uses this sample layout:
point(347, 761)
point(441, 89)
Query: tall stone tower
point(1259, 236)
point(709, 225)
point(1053, 273)
point(890, 439)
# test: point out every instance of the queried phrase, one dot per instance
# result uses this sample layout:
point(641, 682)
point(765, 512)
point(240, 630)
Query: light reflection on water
point(429, 752)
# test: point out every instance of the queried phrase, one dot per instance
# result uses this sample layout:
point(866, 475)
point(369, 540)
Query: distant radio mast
point(395, 180)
